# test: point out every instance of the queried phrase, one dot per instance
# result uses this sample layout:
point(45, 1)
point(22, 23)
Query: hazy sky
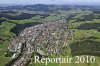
point(49, 2)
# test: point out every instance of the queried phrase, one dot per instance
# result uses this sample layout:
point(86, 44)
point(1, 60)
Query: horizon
point(6, 5)
point(50, 2)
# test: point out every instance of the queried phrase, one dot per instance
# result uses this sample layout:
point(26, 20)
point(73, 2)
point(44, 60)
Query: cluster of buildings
point(48, 38)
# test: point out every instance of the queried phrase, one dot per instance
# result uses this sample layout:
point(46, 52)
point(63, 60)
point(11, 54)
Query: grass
point(52, 18)
point(80, 15)
point(4, 60)
point(6, 35)
point(5, 29)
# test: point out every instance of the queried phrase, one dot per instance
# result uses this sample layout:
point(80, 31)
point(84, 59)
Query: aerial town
point(45, 39)
point(42, 31)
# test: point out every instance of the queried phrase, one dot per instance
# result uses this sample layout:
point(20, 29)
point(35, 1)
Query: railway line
point(26, 55)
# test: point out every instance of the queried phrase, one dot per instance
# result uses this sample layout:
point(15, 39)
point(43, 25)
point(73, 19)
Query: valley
point(48, 31)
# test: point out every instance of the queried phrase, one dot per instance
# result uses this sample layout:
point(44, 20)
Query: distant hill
point(46, 8)
point(37, 7)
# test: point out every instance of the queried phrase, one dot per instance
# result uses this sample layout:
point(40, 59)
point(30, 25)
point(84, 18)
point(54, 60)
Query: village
point(46, 39)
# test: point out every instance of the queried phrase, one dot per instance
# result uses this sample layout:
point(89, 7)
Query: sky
point(27, 2)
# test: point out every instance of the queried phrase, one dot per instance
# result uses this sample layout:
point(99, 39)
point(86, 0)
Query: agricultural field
point(85, 34)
